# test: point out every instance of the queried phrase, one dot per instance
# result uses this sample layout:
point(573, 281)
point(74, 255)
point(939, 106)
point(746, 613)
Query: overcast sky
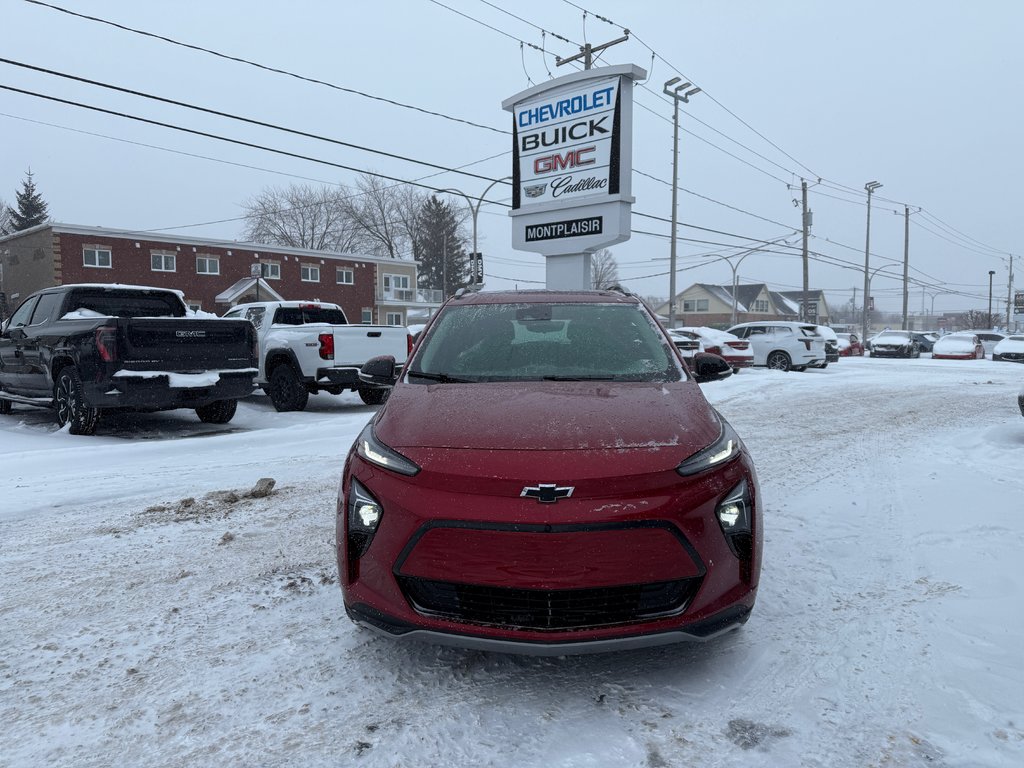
point(922, 96)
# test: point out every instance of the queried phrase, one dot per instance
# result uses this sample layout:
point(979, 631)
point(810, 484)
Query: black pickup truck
point(82, 349)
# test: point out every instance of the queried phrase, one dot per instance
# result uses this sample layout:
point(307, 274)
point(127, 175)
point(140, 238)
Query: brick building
point(213, 275)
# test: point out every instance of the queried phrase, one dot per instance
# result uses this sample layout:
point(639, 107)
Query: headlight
point(734, 510)
point(376, 452)
point(723, 450)
point(364, 514)
point(734, 513)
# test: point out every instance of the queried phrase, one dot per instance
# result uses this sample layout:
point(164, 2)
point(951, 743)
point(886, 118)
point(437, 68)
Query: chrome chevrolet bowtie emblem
point(547, 493)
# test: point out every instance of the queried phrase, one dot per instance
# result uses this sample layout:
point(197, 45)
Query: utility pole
point(676, 98)
point(806, 226)
point(587, 52)
point(906, 260)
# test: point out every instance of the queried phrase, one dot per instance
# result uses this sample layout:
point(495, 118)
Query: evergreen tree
point(31, 208)
point(6, 227)
point(440, 249)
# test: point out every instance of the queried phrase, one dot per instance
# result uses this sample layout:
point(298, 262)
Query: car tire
point(287, 392)
point(374, 395)
point(217, 412)
point(70, 404)
point(778, 361)
point(5, 406)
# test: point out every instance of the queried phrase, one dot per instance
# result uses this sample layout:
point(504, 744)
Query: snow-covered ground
point(152, 614)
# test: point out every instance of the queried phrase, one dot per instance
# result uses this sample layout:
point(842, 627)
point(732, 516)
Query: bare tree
point(978, 319)
point(604, 269)
point(385, 216)
point(302, 216)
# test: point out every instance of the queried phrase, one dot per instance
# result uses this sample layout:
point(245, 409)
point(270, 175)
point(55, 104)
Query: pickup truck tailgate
point(183, 344)
point(355, 344)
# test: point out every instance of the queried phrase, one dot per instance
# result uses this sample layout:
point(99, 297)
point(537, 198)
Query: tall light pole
point(874, 272)
point(735, 269)
point(871, 186)
point(676, 98)
point(991, 272)
point(474, 210)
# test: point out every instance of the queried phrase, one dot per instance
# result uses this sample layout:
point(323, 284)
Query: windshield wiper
point(442, 378)
point(577, 378)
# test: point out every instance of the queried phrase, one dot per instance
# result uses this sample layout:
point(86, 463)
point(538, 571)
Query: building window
point(94, 256)
point(761, 305)
point(310, 273)
point(346, 276)
point(271, 270)
point(394, 318)
point(162, 261)
point(367, 315)
point(207, 265)
point(695, 305)
point(396, 288)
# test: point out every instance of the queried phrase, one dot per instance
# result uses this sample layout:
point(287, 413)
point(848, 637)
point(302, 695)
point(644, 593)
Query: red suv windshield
point(522, 342)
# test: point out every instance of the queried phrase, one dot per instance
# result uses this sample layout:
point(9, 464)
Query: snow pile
point(157, 612)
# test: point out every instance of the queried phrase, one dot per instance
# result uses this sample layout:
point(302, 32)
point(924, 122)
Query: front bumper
point(610, 571)
point(877, 351)
point(388, 626)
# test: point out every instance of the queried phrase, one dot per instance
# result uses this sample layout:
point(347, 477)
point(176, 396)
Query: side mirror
point(379, 371)
point(708, 367)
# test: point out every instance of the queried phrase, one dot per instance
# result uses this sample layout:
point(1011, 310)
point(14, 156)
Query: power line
point(704, 90)
point(529, 23)
point(226, 139)
point(264, 67)
point(239, 118)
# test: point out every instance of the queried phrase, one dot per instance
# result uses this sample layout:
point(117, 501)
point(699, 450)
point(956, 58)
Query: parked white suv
point(783, 345)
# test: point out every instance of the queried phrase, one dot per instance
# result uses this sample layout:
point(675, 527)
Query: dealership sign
point(572, 162)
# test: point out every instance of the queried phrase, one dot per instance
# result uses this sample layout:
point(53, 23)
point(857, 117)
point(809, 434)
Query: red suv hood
point(548, 416)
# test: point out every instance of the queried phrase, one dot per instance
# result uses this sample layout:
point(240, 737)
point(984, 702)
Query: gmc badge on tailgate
point(190, 334)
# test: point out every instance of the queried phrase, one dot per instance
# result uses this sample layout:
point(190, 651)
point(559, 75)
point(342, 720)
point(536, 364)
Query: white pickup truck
point(308, 347)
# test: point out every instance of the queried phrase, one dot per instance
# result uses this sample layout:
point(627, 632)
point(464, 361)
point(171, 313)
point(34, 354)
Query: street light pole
point(871, 186)
point(474, 209)
point(735, 270)
point(991, 272)
point(676, 98)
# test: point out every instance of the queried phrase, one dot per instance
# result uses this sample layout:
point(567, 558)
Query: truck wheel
point(374, 396)
point(71, 407)
point(286, 391)
point(217, 412)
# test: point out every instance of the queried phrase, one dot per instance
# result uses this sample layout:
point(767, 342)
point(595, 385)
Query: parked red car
point(958, 346)
point(734, 350)
point(546, 477)
point(850, 345)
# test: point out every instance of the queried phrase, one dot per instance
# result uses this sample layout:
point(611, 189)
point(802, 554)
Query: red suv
point(546, 477)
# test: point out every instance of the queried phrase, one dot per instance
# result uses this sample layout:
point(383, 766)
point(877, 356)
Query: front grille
point(548, 609)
